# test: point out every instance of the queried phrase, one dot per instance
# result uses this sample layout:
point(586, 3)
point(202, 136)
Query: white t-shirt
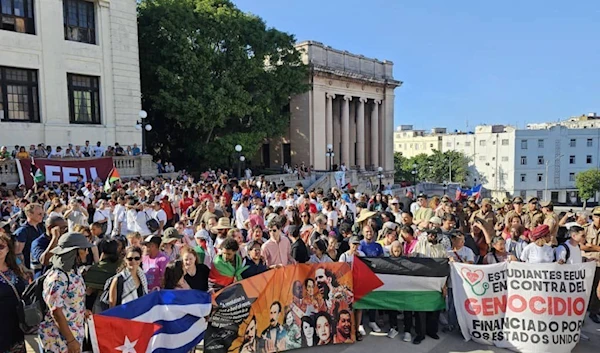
point(465, 254)
point(347, 258)
point(332, 216)
point(574, 253)
point(100, 215)
point(534, 254)
point(120, 218)
point(160, 216)
point(98, 151)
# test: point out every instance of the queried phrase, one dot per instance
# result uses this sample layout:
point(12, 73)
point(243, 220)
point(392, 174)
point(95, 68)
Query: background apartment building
point(412, 142)
point(69, 72)
point(541, 160)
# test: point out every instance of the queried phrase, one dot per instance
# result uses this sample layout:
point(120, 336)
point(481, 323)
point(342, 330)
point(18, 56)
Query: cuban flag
point(462, 194)
point(166, 321)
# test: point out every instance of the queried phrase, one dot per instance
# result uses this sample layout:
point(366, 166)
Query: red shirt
point(185, 203)
point(166, 206)
point(205, 196)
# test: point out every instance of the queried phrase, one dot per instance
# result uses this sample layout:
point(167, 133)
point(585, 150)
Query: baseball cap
point(354, 240)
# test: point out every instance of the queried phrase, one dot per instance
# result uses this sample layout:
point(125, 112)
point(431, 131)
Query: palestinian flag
point(112, 178)
point(223, 273)
point(36, 173)
point(413, 284)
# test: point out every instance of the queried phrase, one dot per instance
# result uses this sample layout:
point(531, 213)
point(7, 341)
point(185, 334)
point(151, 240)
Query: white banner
point(529, 308)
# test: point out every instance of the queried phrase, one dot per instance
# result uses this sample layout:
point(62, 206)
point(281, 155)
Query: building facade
point(411, 143)
point(350, 107)
point(540, 161)
point(69, 72)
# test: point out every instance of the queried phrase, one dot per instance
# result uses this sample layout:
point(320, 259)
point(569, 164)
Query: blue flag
point(181, 313)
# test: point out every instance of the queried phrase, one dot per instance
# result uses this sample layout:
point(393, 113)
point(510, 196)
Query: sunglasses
point(273, 230)
point(137, 258)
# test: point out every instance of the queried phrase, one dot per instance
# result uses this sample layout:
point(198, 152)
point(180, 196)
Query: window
point(18, 95)
point(416, 146)
point(571, 176)
point(523, 144)
point(523, 193)
point(573, 143)
point(431, 145)
point(571, 159)
point(540, 194)
point(504, 142)
point(523, 177)
point(79, 21)
point(540, 177)
point(540, 143)
point(588, 159)
point(468, 144)
point(505, 159)
point(589, 143)
point(481, 142)
point(482, 158)
point(84, 99)
point(17, 16)
point(448, 144)
point(523, 160)
point(540, 160)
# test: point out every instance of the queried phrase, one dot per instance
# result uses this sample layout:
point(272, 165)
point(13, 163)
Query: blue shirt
point(136, 151)
point(370, 249)
point(38, 246)
point(27, 234)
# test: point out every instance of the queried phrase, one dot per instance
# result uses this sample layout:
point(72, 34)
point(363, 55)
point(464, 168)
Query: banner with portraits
point(287, 308)
point(524, 307)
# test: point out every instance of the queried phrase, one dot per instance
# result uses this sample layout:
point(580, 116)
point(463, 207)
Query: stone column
point(329, 119)
point(360, 134)
point(346, 131)
point(375, 134)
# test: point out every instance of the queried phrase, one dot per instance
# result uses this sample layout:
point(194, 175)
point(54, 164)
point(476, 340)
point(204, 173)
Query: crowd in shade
point(95, 248)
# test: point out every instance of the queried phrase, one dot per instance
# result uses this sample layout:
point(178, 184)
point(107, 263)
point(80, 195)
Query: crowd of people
point(70, 151)
point(95, 249)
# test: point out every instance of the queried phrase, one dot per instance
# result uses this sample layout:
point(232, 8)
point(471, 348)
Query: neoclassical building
point(350, 107)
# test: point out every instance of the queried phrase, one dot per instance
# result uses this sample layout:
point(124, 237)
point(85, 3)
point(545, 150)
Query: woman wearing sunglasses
point(130, 283)
point(12, 284)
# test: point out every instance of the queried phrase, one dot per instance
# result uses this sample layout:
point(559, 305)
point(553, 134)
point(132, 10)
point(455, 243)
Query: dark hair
point(321, 245)
point(278, 305)
point(329, 273)
point(448, 217)
point(329, 320)
point(230, 244)
point(309, 280)
point(11, 257)
point(575, 229)
point(408, 230)
point(311, 323)
point(173, 273)
point(109, 249)
point(408, 213)
point(345, 228)
point(342, 312)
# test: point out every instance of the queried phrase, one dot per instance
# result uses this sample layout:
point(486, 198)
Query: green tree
point(213, 77)
point(588, 184)
point(434, 168)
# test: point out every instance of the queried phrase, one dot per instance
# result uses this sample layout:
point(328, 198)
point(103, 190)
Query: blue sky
point(485, 62)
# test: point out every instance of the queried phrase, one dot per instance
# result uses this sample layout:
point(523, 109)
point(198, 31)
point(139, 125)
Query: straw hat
point(364, 215)
point(223, 224)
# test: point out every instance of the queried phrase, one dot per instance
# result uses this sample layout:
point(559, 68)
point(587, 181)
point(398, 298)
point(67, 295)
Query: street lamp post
point(329, 154)
point(445, 188)
point(238, 159)
point(380, 176)
point(414, 173)
point(143, 126)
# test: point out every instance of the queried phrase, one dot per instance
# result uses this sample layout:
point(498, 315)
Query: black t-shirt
point(200, 280)
point(344, 246)
point(299, 251)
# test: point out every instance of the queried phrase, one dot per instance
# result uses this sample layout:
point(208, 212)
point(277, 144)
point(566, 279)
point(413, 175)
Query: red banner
point(64, 170)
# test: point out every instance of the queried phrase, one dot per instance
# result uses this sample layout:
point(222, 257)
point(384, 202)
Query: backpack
point(151, 223)
point(567, 250)
point(104, 303)
point(34, 304)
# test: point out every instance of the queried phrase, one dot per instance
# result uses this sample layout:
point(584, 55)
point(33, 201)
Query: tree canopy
point(213, 77)
point(588, 184)
point(434, 168)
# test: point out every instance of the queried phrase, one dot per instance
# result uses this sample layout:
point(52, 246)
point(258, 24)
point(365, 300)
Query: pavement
point(448, 343)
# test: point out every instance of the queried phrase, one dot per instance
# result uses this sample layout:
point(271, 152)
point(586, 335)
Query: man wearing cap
point(445, 207)
point(396, 210)
point(551, 220)
point(485, 216)
point(472, 203)
point(517, 210)
point(424, 213)
point(533, 217)
point(591, 251)
point(154, 262)
point(62, 329)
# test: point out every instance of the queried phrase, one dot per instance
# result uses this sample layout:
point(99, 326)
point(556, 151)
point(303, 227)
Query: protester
point(254, 261)
point(62, 328)
point(12, 284)
point(196, 272)
point(154, 263)
point(539, 251)
point(130, 282)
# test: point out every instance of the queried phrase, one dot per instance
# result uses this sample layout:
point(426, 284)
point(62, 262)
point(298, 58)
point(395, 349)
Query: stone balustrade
point(128, 167)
